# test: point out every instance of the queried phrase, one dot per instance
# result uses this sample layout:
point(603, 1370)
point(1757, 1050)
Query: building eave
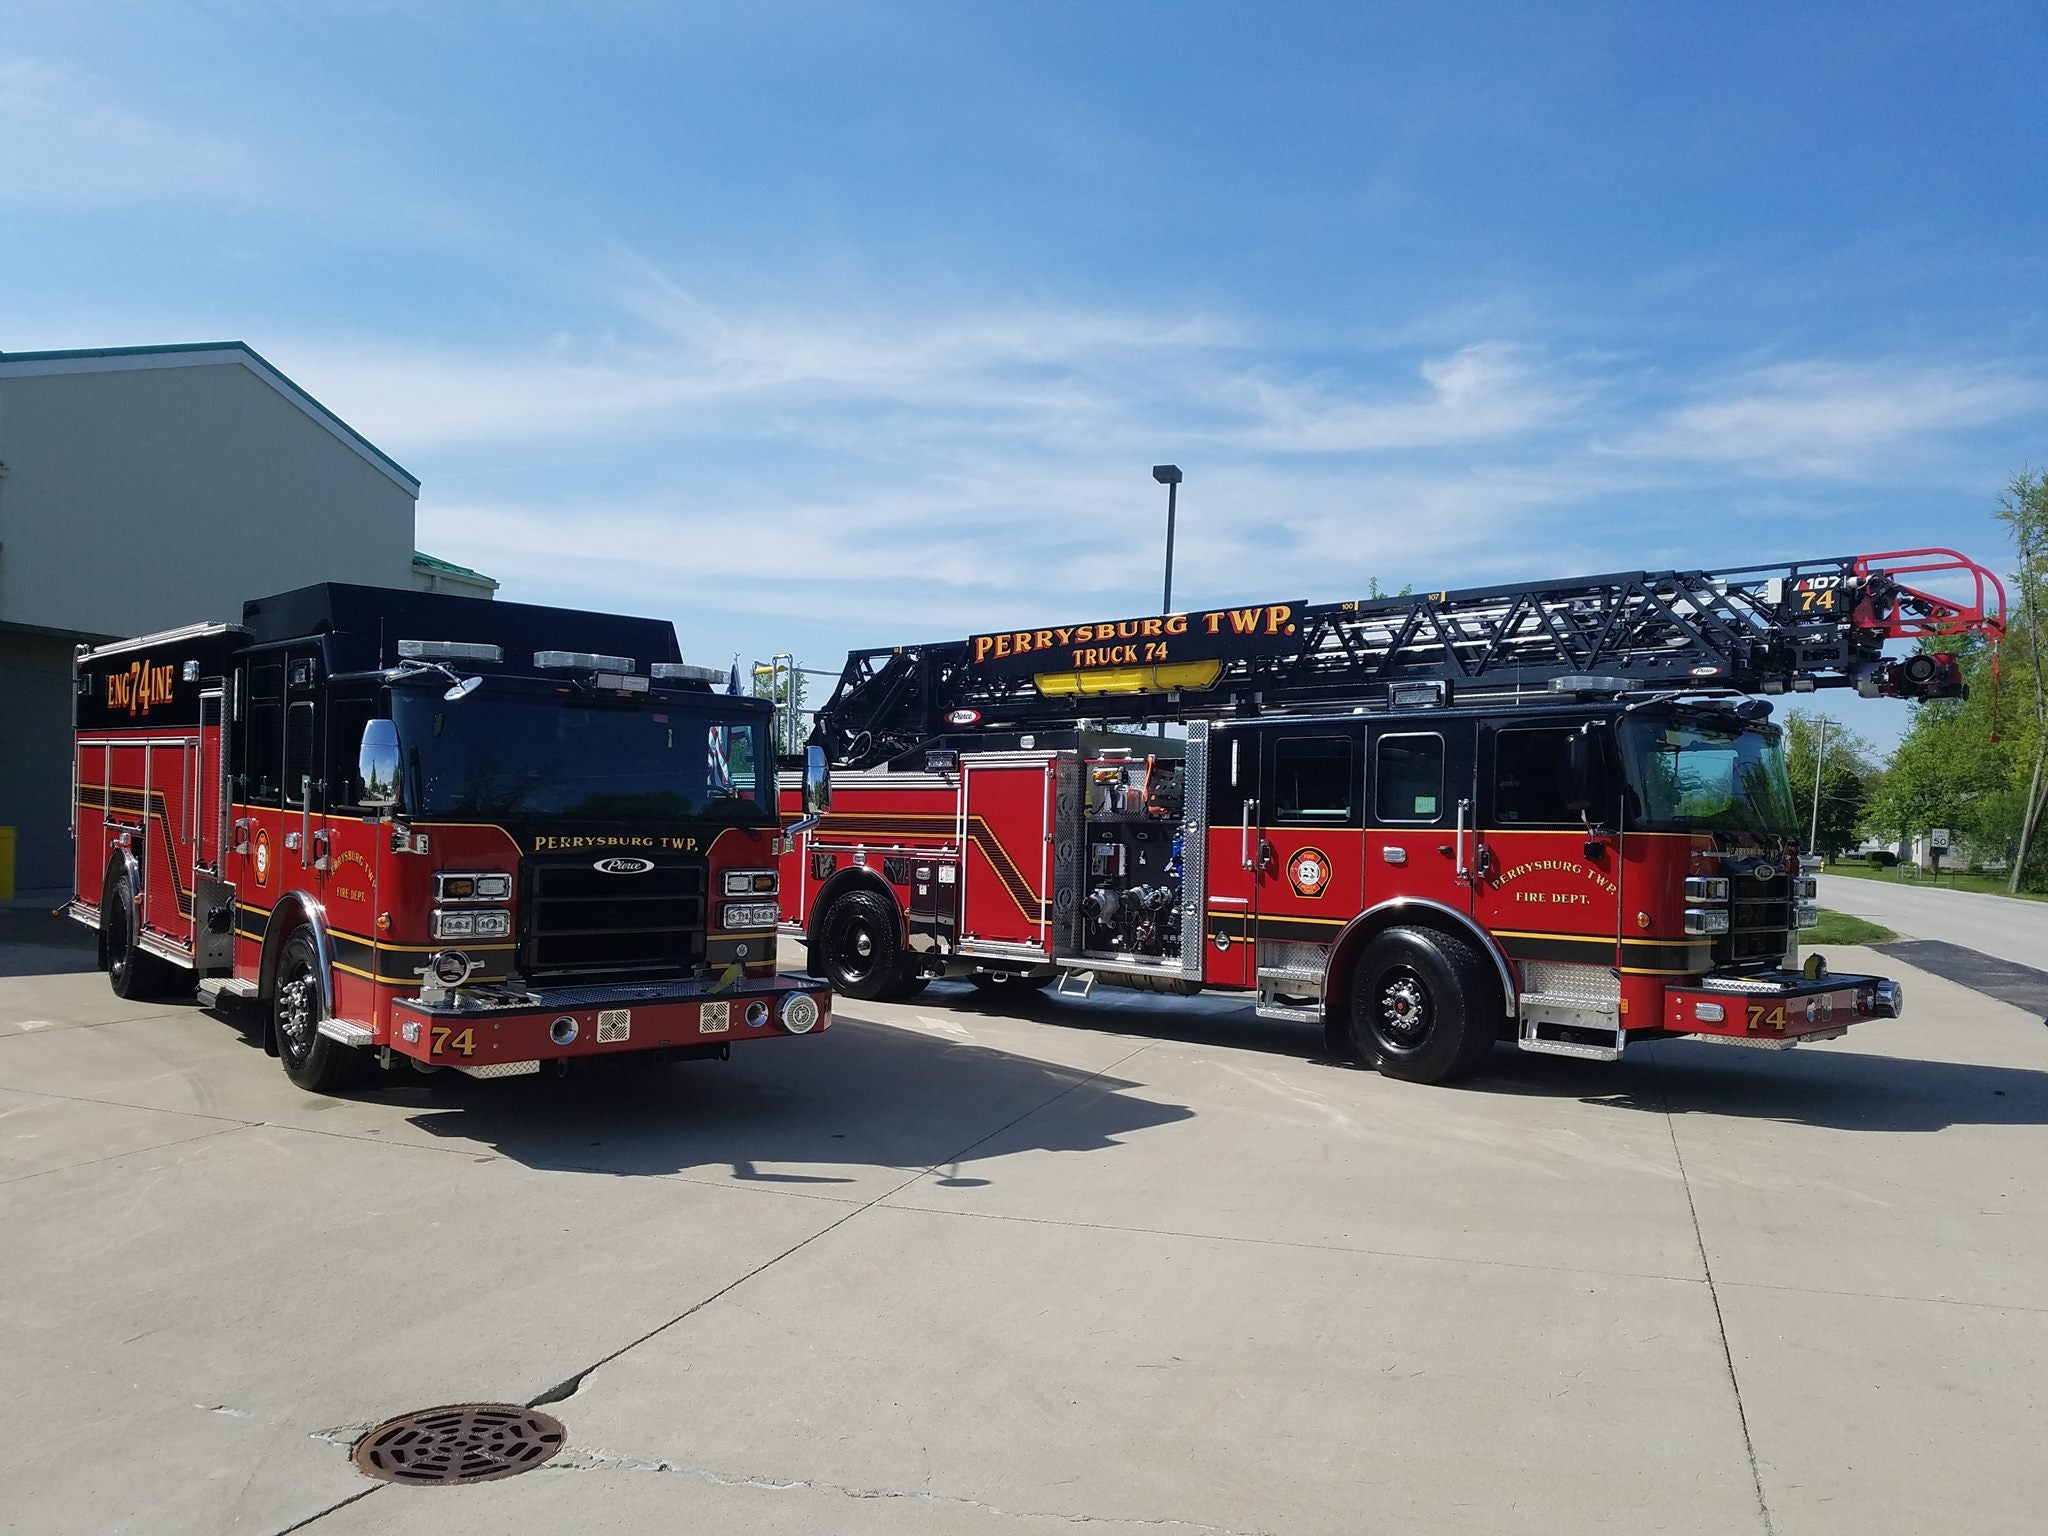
point(202, 354)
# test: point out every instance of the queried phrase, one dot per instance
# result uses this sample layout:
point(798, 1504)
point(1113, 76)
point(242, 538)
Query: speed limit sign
point(1937, 837)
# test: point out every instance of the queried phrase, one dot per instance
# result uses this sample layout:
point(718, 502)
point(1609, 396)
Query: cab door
point(1311, 836)
point(1421, 834)
point(1231, 855)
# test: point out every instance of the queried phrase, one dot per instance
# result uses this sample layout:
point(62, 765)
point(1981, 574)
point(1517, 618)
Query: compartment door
point(1006, 853)
point(169, 837)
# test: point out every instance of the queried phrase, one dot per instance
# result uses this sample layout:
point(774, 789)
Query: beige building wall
point(143, 490)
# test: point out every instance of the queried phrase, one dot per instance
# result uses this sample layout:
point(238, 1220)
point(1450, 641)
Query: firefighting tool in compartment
point(1554, 813)
point(436, 831)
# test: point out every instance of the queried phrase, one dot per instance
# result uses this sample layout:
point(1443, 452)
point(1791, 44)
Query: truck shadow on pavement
point(809, 1115)
point(1832, 1090)
point(1812, 1085)
point(37, 942)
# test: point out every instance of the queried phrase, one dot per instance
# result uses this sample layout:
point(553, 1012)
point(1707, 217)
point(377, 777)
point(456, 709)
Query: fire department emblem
point(1309, 871)
point(262, 856)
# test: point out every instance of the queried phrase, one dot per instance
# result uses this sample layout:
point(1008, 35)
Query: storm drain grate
point(463, 1443)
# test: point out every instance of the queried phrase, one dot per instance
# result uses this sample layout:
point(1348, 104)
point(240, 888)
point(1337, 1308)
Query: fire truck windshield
point(502, 753)
point(1705, 776)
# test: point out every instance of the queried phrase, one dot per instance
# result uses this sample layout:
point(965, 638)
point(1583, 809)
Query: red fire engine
point(1549, 813)
point(565, 849)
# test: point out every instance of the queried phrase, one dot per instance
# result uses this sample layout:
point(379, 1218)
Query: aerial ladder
point(1762, 629)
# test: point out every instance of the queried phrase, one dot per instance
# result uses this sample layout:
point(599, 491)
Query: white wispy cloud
point(1835, 420)
point(69, 137)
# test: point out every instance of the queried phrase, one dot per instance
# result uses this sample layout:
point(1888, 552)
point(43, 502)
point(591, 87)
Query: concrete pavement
point(1134, 1262)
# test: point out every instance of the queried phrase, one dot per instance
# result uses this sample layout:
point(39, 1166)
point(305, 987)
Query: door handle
point(1464, 870)
point(1244, 838)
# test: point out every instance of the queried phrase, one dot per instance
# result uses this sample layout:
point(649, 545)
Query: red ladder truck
point(1554, 813)
point(565, 849)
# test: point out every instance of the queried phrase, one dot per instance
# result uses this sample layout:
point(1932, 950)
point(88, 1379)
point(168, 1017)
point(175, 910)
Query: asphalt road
point(1993, 925)
point(1131, 1262)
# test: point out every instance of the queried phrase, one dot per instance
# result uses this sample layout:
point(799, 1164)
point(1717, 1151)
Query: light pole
point(1168, 475)
point(1819, 757)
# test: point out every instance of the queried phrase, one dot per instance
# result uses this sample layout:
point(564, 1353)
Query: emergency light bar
point(622, 681)
point(582, 661)
point(449, 650)
point(683, 671)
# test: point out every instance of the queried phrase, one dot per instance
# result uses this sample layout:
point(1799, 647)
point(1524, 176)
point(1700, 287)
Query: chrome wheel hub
point(1404, 1009)
point(295, 1009)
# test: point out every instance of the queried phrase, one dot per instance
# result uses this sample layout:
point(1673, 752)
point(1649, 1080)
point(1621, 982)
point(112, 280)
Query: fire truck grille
point(579, 920)
point(1759, 916)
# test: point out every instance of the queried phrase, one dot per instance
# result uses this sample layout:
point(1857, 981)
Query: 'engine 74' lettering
point(447, 1038)
point(1766, 1015)
point(140, 687)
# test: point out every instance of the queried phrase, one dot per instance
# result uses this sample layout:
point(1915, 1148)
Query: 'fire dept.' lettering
point(140, 687)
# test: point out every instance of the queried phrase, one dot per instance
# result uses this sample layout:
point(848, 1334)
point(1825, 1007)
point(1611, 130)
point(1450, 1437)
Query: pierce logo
point(623, 866)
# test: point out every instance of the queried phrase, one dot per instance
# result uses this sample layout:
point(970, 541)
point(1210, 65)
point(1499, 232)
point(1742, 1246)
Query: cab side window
point(1530, 777)
point(1313, 780)
point(346, 717)
point(1409, 779)
point(262, 734)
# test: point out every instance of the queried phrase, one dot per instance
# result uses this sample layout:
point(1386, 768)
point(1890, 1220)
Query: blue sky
point(890, 308)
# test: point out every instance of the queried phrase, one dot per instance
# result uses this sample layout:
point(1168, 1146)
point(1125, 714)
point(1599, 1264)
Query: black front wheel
point(860, 944)
point(1424, 1006)
point(298, 1003)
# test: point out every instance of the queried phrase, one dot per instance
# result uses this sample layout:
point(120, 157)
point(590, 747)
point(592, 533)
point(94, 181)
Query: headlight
point(1706, 888)
point(752, 882)
point(472, 925)
point(1807, 917)
point(1805, 888)
point(748, 914)
point(799, 1014)
point(1705, 920)
point(492, 886)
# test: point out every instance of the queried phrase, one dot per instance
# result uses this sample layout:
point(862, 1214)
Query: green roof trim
point(265, 364)
point(435, 563)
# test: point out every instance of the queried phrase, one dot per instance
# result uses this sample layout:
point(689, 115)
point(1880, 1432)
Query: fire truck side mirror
point(377, 764)
point(817, 782)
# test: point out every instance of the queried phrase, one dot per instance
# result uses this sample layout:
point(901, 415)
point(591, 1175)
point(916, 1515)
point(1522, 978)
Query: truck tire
point(1425, 1008)
point(133, 972)
point(311, 1060)
point(861, 947)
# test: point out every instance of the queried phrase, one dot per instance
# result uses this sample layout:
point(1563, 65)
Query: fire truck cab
point(1551, 814)
point(434, 830)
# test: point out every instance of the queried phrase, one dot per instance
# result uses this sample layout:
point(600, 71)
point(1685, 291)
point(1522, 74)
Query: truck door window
point(1313, 779)
point(1409, 778)
point(301, 758)
point(346, 717)
point(263, 737)
point(1530, 778)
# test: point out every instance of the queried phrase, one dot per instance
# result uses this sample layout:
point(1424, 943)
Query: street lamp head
point(1166, 474)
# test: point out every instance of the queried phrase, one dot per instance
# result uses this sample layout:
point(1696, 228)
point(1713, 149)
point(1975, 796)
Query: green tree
point(1845, 772)
point(2024, 511)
